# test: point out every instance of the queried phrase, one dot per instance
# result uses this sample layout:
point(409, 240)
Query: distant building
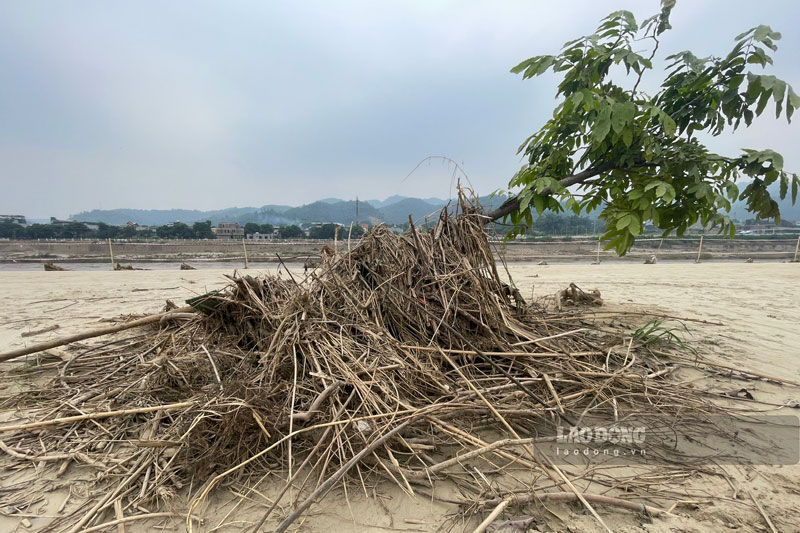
point(139, 227)
point(57, 222)
point(228, 230)
point(756, 229)
point(14, 219)
point(257, 236)
point(260, 236)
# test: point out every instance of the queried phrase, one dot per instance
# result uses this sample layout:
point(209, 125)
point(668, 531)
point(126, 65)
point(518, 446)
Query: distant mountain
point(265, 215)
point(157, 217)
point(397, 212)
point(393, 210)
point(397, 198)
point(341, 212)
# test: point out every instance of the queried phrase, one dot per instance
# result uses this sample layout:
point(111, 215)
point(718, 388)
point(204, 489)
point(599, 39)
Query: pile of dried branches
point(407, 358)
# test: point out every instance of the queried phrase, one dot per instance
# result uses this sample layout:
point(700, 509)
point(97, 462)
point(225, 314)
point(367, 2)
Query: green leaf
point(627, 137)
point(733, 191)
point(635, 225)
point(778, 92)
point(792, 103)
point(762, 102)
point(525, 200)
point(622, 114)
point(635, 194)
point(538, 203)
point(524, 65)
point(762, 32)
point(668, 124)
point(602, 124)
point(623, 221)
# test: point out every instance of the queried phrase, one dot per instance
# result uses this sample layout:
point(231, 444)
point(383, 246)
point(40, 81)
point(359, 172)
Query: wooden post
point(699, 250)
point(796, 249)
point(111, 253)
point(244, 247)
point(598, 251)
point(335, 238)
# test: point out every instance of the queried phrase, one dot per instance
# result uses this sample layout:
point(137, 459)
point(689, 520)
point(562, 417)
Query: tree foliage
point(640, 157)
point(291, 232)
point(202, 230)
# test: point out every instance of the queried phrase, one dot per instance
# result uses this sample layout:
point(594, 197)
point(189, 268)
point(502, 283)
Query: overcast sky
point(206, 105)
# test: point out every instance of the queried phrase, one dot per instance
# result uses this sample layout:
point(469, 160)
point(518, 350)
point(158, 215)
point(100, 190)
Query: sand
point(757, 305)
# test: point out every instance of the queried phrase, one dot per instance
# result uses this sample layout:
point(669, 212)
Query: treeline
point(72, 230)
point(79, 230)
point(177, 230)
point(548, 224)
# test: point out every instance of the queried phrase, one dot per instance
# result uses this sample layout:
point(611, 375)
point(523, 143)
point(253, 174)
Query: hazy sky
point(191, 104)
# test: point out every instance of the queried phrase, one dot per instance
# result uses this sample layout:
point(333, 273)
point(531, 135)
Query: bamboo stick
point(547, 355)
point(763, 514)
point(492, 517)
point(95, 416)
point(244, 247)
point(324, 487)
point(796, 249)
point(111, 253)
point(125, 520)
point(728, 367)
point(699, 250)
point(571, 497)
point(90, 334)
point(336, 238)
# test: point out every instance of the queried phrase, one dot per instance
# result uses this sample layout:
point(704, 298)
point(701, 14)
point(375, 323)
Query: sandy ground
point(757, 305)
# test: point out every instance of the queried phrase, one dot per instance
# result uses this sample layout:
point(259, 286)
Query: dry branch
point(89, 335)
point(94, 416)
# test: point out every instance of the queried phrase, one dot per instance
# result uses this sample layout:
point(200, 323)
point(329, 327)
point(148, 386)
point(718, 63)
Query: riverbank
point(227, 254)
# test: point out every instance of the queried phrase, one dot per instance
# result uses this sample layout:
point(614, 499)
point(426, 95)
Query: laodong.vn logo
point(588, 441)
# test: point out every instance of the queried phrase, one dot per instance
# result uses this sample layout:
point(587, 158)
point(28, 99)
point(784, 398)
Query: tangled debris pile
point(408, 358)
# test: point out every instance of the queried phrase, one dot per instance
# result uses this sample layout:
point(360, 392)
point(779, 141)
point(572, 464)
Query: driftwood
point(652, 260)
point(51, 267)
point(39, 331)
point(119, 266)
point(184, 266)
point(574, 295)
point(90, 334)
